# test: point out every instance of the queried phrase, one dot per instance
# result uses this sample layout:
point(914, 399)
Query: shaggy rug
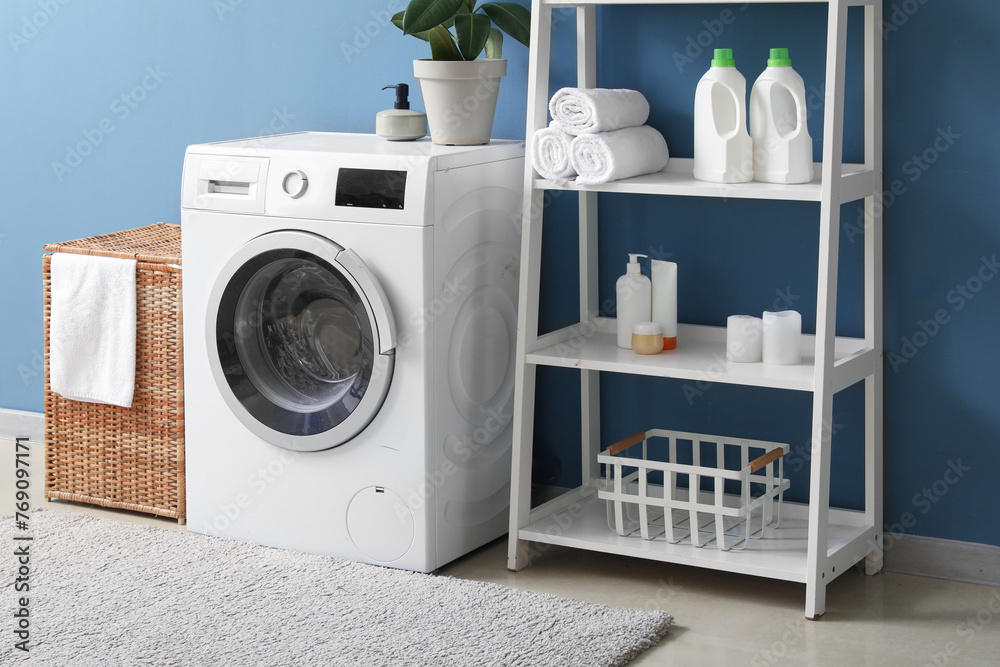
point(103, 592)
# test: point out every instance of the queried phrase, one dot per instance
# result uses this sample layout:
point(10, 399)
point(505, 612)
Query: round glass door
point(298, 344)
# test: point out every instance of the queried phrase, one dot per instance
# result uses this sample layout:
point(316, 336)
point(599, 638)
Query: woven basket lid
point(159, 243)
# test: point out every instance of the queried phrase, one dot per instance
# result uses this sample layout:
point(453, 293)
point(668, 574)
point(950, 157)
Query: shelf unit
point(816, 543)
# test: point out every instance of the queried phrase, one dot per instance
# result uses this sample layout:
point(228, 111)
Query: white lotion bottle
point(634, 297)
point(723, 150)
point(778, 113)
point(664, 312)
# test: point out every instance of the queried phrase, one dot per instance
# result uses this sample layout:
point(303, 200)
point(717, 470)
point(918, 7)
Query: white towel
point(610, 156)
point(582, 110)
point(92, 331)
point(550, 154)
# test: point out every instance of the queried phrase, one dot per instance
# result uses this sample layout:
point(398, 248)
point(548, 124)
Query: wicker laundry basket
point(127, 458)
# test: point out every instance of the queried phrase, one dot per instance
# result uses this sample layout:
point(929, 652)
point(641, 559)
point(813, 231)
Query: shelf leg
point(518, 555)
point(873, 283)
point(528, 296)
point(817, 574)
point(818, 569)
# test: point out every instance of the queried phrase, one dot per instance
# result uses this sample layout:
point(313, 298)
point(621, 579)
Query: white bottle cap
point(647, 328)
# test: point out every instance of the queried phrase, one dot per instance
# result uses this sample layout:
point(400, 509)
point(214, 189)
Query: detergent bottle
point(782, 147)
point(723, 151)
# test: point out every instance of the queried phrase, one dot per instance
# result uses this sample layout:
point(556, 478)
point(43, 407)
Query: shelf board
point(677, 179)
point(700, 356)
point(574, 3)
point(780, 554)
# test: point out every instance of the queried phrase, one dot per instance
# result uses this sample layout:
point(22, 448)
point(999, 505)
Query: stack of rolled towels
point(598, 135)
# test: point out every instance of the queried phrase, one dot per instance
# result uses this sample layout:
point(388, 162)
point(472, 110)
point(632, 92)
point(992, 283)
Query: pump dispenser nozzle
point(402, 95)
point(633, 263)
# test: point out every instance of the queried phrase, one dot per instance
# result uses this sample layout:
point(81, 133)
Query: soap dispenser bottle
point(634, 295)
point(401, 123)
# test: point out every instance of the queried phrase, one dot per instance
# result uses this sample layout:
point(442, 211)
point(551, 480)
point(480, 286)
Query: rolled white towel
point(582, 110)
point(550, 154)
point(610, 156)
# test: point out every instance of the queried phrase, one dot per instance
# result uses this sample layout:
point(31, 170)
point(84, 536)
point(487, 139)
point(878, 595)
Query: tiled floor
point(728, 619)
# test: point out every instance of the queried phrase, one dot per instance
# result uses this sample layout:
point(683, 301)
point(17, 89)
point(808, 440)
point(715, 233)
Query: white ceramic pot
point(460, 98)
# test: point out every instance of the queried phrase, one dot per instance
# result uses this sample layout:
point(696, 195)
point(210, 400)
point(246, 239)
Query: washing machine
point(349, 322)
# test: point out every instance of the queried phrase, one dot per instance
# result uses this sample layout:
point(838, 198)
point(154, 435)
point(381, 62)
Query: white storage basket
point(711, 514)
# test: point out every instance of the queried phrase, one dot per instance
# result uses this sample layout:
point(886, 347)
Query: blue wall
point(102, 98)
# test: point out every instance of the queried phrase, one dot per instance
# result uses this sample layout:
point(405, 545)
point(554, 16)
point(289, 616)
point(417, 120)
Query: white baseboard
point(18, 423)
point(967, 562)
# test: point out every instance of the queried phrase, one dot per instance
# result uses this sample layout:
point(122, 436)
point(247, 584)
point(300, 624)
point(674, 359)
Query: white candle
point(744, 338)
point(782, 336)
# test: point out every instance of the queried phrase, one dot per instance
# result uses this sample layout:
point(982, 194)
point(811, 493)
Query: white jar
point(783, 150)
point(647, 338)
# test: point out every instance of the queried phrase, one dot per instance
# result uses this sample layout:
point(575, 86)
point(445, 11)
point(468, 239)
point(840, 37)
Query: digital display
point(371, 188)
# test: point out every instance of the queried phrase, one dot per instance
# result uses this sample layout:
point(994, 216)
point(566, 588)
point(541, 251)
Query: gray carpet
point(105, 592)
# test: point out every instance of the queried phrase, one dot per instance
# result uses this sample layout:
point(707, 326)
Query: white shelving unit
point(815, 543)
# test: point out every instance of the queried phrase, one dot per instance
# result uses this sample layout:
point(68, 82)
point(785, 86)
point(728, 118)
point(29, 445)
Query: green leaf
point(494, 44)
point(443, 46)
point(471, 32)
point(510, 17)
point(397, 20)
point(422, 15)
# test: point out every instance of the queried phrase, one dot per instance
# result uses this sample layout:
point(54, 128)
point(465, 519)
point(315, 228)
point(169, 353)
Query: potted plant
point(460, 88)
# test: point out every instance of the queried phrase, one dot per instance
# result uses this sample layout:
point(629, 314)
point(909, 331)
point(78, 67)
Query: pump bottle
point(634, 295)
point(401, 123)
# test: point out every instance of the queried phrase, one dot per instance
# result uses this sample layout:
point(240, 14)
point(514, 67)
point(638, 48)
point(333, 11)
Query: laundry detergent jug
point(723, 151)
point(782, 146)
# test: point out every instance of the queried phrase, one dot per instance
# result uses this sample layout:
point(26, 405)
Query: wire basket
point(713, 496)
point(126, 458)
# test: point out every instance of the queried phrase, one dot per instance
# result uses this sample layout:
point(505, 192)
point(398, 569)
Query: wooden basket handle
point(763, 460)
point(622, 445)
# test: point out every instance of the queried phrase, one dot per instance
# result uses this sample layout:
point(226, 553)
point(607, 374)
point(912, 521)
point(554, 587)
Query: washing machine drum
point(304, 341)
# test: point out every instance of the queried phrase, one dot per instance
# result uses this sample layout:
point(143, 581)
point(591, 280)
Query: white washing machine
point(349, 324)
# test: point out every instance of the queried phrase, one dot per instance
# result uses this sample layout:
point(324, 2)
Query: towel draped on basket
point(92, 331)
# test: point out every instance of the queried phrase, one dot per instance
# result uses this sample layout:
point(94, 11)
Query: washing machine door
point(304, 340)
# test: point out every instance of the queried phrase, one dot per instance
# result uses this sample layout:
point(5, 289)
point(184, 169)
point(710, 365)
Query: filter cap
point(723, 58)
point(779, 58)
